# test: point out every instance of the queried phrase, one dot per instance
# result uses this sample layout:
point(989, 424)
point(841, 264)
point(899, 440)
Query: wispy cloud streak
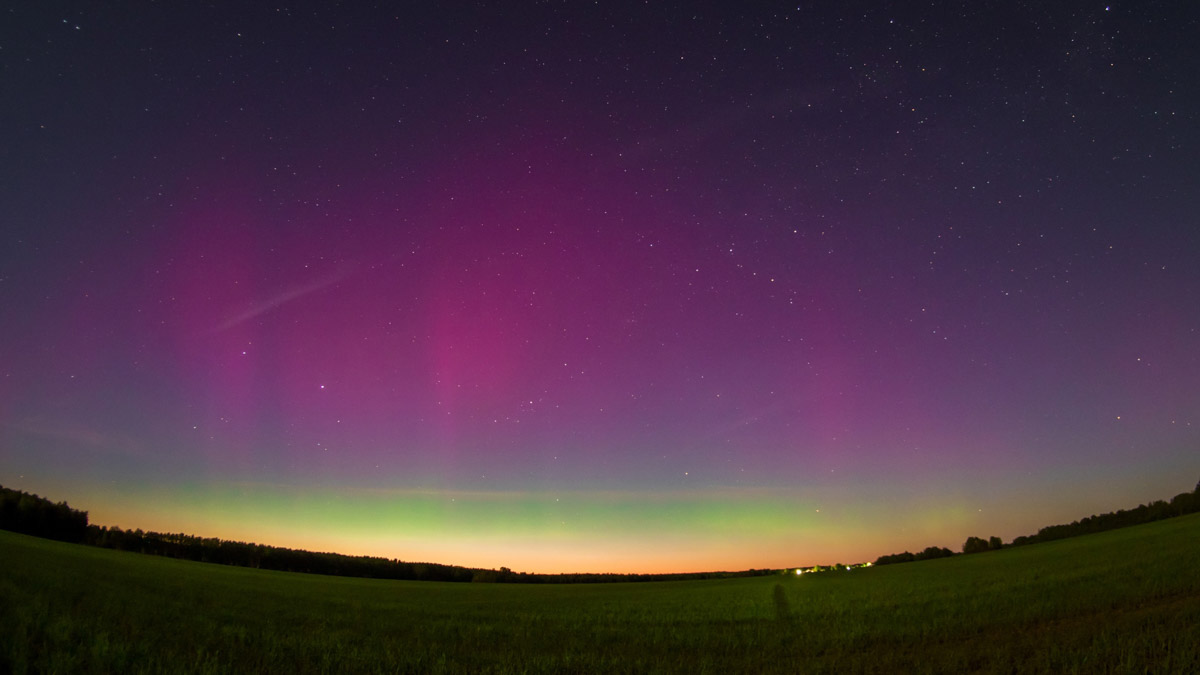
point(278, 301)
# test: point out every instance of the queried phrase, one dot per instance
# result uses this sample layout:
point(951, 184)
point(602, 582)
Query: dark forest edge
point(30, 514)
point(1180, 505)
point(33, 515)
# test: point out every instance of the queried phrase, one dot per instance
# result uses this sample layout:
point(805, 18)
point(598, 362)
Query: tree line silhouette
point(928, 554)
point(30, 514)
point(1181, 504)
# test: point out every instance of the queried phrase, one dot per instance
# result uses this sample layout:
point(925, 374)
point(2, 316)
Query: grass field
point(1125, 601)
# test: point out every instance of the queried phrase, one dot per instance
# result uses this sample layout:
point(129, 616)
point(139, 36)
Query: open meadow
point(1122, 601)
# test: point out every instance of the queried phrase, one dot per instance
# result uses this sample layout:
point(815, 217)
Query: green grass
point(1125, 601)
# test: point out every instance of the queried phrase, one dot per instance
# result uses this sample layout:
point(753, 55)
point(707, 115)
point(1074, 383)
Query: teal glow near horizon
point(536, 532)
point(687, 530)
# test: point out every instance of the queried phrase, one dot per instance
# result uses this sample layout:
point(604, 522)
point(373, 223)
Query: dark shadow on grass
point(783, 609)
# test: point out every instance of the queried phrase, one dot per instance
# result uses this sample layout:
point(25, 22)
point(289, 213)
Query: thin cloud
point(278, 301)
point(76, 436)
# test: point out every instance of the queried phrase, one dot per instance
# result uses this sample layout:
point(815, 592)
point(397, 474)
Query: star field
point(600, 287)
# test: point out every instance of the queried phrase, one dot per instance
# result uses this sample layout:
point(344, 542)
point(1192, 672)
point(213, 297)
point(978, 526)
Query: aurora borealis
point(619, 287)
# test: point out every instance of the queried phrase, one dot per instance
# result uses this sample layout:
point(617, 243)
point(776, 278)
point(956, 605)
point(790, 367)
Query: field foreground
point(1123, 601)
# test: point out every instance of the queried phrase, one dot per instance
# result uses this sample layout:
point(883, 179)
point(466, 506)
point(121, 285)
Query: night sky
point(629, 287)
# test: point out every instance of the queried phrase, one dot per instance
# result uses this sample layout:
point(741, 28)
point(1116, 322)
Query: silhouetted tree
point(932, 552)
point(995, 544)
point(974, 545)
point(894, 558)
point(30, 514)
